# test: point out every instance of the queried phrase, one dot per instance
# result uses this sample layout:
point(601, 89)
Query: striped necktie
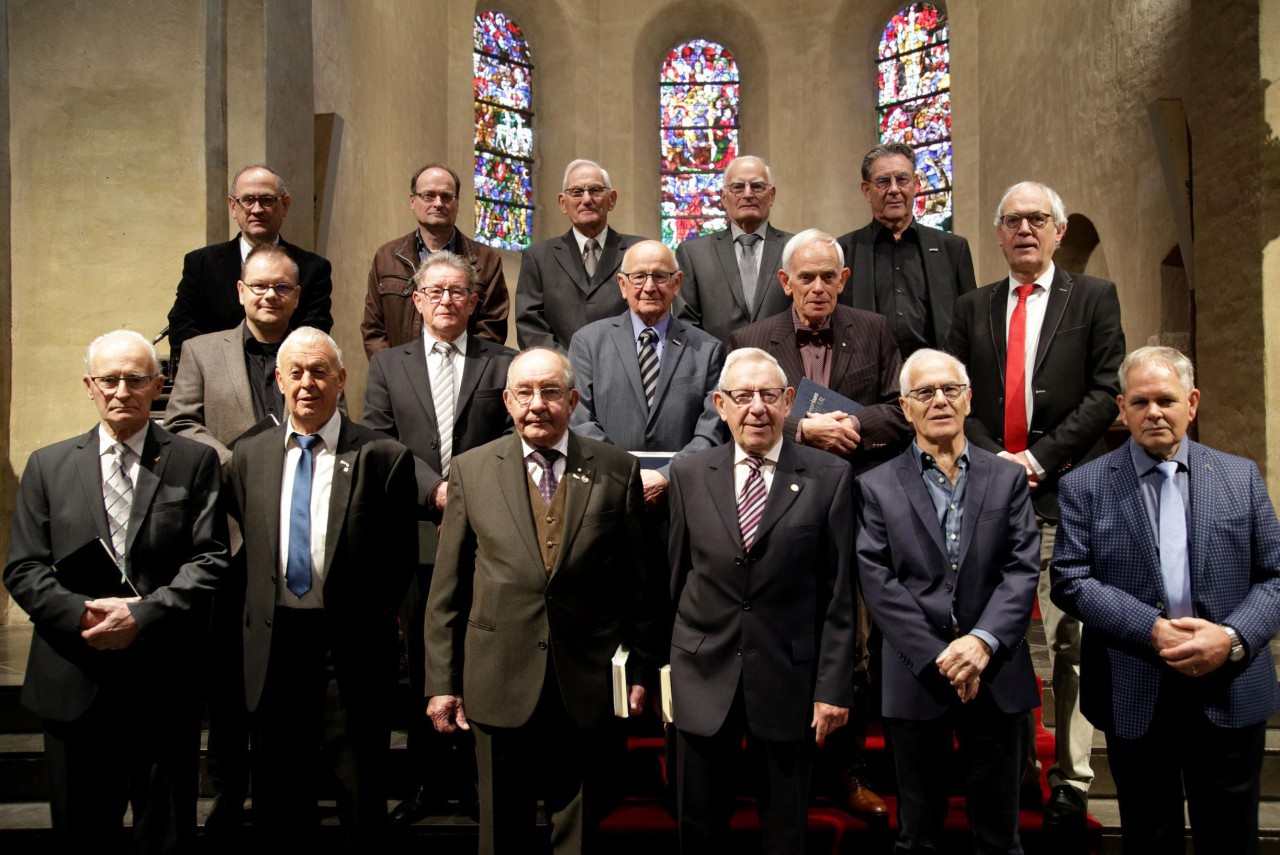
point(442, 394)
point(649, 363)
point(751, 502)
point(117, 495)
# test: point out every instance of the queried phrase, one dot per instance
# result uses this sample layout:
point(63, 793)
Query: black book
point(813, 398)
point(91, 570)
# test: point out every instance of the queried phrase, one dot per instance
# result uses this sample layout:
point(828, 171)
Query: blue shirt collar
point(1143, 463)
point(638, 326)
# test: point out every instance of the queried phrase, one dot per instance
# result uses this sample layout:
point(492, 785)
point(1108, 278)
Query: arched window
point(915, 102)
point(699, 94)
point(504, 132)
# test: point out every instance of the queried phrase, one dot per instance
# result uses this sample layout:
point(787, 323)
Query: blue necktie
point(1173, 544)
point(297, 574)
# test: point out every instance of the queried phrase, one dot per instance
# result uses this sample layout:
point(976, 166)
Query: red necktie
point(1015, 376)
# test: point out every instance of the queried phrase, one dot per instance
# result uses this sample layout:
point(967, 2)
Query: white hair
point(1056, 210)
point(749, 354)
point(1174, 359)
point(805, 237)
point(566, 367)
point(308, 336)
point(924, 353)
point(574, 164)
point(130, 336)
point(768, 173)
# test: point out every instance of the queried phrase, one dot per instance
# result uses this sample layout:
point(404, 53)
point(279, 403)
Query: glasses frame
point(775, 392)
point(134, 382)
point(595, 191)
point(455, 294)
point(428, 197)
point(552, 395)
point(667, 276)
point(260, 289)
point(267, 202)
point(1017, 219)
point(738, 189)
point(914, 394)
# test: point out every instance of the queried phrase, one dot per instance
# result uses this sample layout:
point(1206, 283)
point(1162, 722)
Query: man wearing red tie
point(1043, 347)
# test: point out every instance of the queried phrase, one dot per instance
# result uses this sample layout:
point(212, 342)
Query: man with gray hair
point(903, 269)
point(117, 545)
point(1042, 346)
point(730, 276)
point(567, 282)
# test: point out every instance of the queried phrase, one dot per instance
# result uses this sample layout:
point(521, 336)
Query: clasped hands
point(1191, 646)
point(107, 624)
point(837, 432)
point(962, 663)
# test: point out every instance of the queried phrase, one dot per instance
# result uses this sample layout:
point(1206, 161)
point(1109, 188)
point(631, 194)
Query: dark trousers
point(306, 734)
point(993, 748)
point(227, 758)
point(548, 757)
point(1182, 752)
point(128, 749)
point(707, 786)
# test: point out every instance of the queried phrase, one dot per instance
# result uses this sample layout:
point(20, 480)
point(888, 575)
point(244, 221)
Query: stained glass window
point(698, 91)
point(504, 132)
point(915, 102)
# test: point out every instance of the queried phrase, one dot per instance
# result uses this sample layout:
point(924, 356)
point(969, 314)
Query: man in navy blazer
point(950, 583)
point(613, 358)
point(1169, 552)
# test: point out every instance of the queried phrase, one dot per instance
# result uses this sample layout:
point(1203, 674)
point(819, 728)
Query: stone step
point(1104, 786)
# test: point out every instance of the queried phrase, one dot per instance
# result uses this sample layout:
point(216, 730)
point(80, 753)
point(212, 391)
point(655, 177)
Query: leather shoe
point(412, 809)
point(1067, 804)
point(861, 799)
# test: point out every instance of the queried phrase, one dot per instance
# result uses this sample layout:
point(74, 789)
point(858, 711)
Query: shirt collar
point(638, 326)
point(1044, 280)
point(800, 324)
point(736, 231)
point(562, 446)
point(582, 239)
point(107, 443)
point(771, 455)
point(918, 455)
point(420, 246)
point(328, 432)
point(428, 340)
point(1143, 463)
point(879, 231)
point(252, 345)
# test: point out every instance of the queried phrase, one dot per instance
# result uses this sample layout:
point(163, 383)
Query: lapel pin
point(795, 488)
point(675, 341)
point(933, 249)
point(584, 477)
point(344, 465)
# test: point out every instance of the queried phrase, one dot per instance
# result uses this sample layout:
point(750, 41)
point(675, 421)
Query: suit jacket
point(494, 614)
point(554, 297)
point(210, 401)
point(1074, 380)
point(176, 556)
point(613, 408)
point(948, 273)
point(1106, 571)
point(398, 403)
point(865, 366)
point(391, 319)
point(370, 553)
point(913, 593)
point(778, 619)
point(207, 301)
point(711, 295)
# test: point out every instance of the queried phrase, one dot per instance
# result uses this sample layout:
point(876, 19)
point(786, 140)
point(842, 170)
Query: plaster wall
point(1269, 59)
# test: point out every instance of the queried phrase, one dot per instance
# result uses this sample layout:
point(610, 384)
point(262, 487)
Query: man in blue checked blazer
point(1169, 553)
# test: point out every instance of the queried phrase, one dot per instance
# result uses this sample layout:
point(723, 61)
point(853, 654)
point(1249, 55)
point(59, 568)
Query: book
point(653, 459)
point(668, 709)
point(814, 398)
point(91, 570)
point(621, 691)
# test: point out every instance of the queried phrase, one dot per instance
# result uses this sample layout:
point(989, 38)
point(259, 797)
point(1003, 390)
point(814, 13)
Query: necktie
point(547, 484)
point(1015, 376)
point(442, 395)
point(751, 502)
point(649, 363)
point(815, 338)
point(297, 574)
point(117, 495)
point(748, 268)
point(1173, 544)
point(590, 255)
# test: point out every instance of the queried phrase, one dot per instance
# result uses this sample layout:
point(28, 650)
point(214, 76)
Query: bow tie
point(815, 338)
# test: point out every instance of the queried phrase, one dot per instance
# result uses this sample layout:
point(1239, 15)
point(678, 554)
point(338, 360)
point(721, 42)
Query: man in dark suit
point(764, 642)
point(567, 282)
point(390, 316)
point(903, 269)
point(1045, 402)
point(109, 673)
point(1169, 551)
point(327, 509)
point(540, 576)
point(950, 583)
point(440, 395)
point(620, 363)
point(207, 299)
point(731, 276)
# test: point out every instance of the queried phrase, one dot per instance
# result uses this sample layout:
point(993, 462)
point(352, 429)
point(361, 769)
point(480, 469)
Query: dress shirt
point(260, 363)
point(741, 470)
point(323, 456)
point(558, 467)
point(740, 252)
point(245, 248)
point(901, 295)
point(816, 358)
point(948, 504)
point(1150, 480)
point(582, 240)
point(424, 251)
point(107, 453)
point(1037, 305)
point(455, 356)
point(638, 326)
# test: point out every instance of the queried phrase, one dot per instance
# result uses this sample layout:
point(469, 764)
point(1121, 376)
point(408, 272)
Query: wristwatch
point(1237, 646)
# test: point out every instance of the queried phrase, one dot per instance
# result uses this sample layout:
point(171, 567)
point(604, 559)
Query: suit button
point(947, 586)
point(739, 561)
point(435, 443)
point(542, 645)
point(273, 578)
point(268, 623)
point(1159, 605)
point(746, 605)
point(739, 651)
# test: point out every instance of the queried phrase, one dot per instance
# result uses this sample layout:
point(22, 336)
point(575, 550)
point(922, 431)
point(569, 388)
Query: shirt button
point(953, 537)
point(953, 507)
point(746, 606)
point(955, 567)
point(542, 645)
point(550, 544)
point(551, 520)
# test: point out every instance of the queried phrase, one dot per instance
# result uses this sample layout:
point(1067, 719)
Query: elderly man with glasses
point(391, 316)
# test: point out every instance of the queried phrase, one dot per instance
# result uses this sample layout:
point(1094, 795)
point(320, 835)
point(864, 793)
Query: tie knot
point(121, 451)
point(748, 240)
point(444, 348)
point(592, 245)
point(545, 457)
point(1024, 291)
point(1168, 469)
point(307, 441)
point(648, 336)
point(754, 462)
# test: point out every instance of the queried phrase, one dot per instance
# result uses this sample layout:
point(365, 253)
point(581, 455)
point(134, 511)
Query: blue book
point(812, 398)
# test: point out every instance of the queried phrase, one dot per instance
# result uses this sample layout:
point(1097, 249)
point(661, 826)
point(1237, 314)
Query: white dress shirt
point(455, 357)
point(107, 453)
point(323, 455)
point(741, 470)
point(535, 469)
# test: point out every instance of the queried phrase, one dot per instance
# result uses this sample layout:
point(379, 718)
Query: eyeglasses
point(549, 395)
point(595, 191)
point(250, 202)
point(282, 289)
point(902, 179)
point(744, 397)
point(435, 295)
point(108, 383)
point(429, 197)
point(1036, 220)
point(738, 188)
point(926, 394)
point(659, 277)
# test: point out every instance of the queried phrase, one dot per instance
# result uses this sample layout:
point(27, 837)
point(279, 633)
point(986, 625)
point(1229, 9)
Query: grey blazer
point(211, 401)
point(711, 297)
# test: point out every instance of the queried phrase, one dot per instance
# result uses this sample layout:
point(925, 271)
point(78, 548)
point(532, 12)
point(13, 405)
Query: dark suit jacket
point(176, 555)
point(612, 407)
point(1106, 571)
point(370, 554)
point(865, 366)
point(1074, 380)
point(948, 273)
point(711, 295)
point(913, 593)
point(554, 298)
point(494, 615)
point(780, 618)
point(207, 301)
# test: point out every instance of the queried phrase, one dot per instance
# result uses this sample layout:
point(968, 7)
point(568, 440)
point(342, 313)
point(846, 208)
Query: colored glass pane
point(504, 226)
point(914, 74)
point(500, 129)
point(700, 106)
point(912, 28)
point(503, 179)
point(504, 132)
point(502, 82)
point(915, 122)
point(690, 150)
point(500, 36)
point(699, 61)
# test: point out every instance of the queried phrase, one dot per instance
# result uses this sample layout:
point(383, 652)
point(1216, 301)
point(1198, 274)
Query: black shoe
point(412, 809)
point(1066, 805)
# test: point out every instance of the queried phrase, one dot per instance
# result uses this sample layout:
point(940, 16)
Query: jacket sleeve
point(449, 602)
point(184, 414)
point(584, 420)
point(532, 329)
point(688, 305)
point(835, 588)
point(184, 317)
point(490, 320)
point(960, 345)
point(315, 305)
point(1257, 617)
point(373, 327)
point(1008, 609)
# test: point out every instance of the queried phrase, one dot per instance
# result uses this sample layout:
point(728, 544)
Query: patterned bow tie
point(816, 338)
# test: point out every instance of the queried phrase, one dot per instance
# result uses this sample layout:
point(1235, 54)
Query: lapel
point(723, 242)
point(570, 260)
point(788, 484)
point(975, 492)
point(344, 466)
point(155, 457)
point(1059, 297)
point(474, 363)
point(413, 362)
point(841, 354)
point(941, 298)
point(610, 260)
point(620, 335)
point(578, 481)
point(513, 479)
point(863, 280)
point(237, 375)
point(89, 469)
point(905, 468)
point(1124, 481)
point(672, 350)
point(782, 344)
point(229, 264)
point(997, 303)
point(770, 258)
point(1204, 508)
point(721, 493)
